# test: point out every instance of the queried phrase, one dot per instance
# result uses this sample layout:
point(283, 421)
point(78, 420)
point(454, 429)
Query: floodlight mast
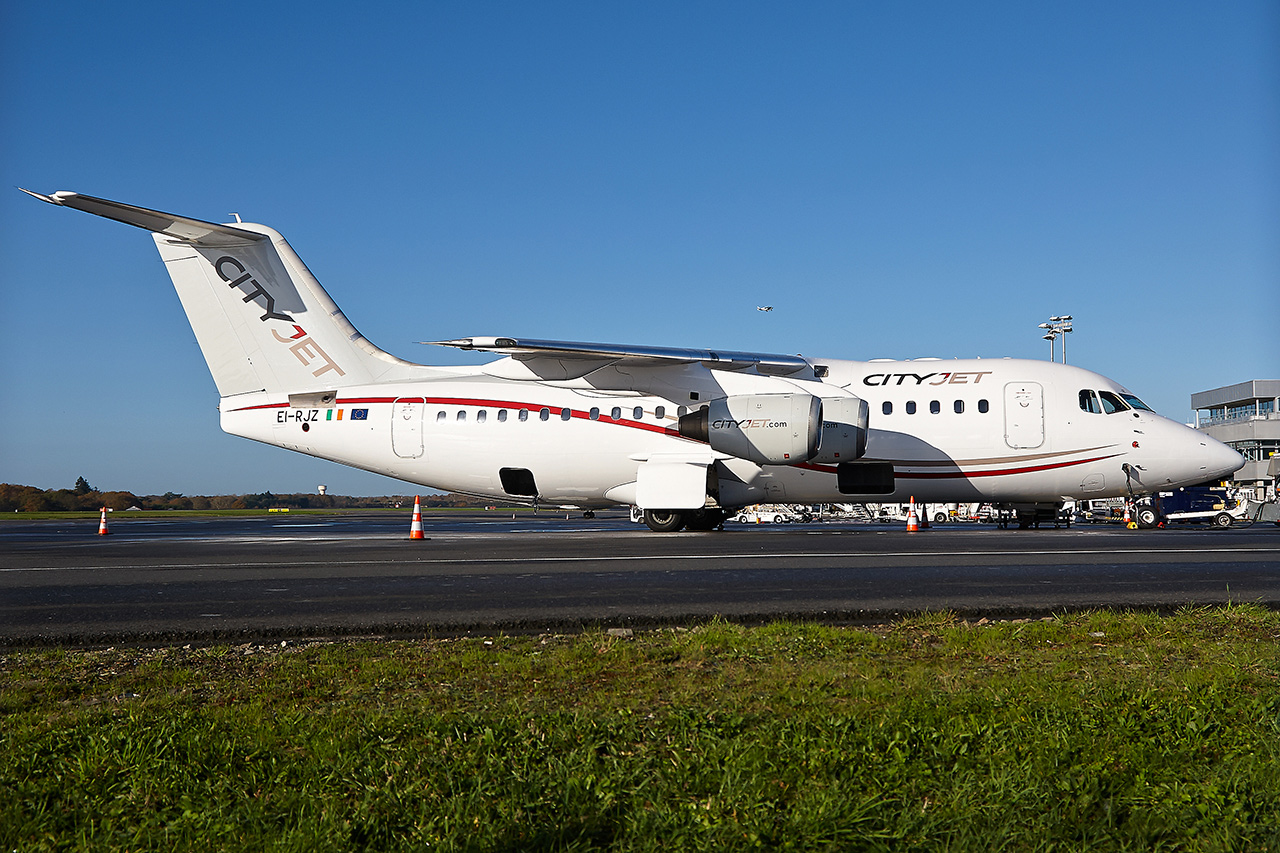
point(1050, 336)
point(1057, 325)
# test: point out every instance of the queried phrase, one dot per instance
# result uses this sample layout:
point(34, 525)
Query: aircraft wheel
point(1222, 521)
point(705, 519)
point(1146, 517)
point(664, 520)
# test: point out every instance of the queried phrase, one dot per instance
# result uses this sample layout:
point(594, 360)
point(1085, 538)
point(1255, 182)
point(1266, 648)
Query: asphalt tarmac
point(272, 577)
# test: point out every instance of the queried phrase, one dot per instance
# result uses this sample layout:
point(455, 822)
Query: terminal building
point(1245, 416)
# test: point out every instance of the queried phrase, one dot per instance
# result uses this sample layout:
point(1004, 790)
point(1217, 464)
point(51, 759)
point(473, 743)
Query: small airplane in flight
point(765, 308)
point(687, 435)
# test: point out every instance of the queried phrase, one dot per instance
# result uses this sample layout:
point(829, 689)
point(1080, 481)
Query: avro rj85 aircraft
point(687, 435)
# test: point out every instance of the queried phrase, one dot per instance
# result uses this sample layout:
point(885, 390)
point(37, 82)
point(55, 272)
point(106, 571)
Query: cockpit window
point(1136, 403)
point(1111, 403)
point(1089, 402)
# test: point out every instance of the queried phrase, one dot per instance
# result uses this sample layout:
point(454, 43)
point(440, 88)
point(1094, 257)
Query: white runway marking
point(632, 558)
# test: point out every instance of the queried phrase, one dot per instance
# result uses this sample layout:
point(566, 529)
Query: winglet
point(52, 199)
point(194, 231)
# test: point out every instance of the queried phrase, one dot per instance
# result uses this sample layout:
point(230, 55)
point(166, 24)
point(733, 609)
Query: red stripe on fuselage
point(959, 475)
point(497, 404)
point(925, 475)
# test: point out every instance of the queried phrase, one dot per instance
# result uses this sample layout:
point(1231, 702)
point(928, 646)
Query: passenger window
point(502, 415)
point(959, 407)
point(594, 414)
point(462, 416)
point(1111, 403)
point(544, 414)
point(616, 414)
point(440, 415)
point(481, 416)
point(935, 407)
point(524, 415)
point(637, 413)
point(681, 411)
point(984, 406)
point(660, 412)
point(1089, 402)
point(886, 408)
point(911, 407)
point(566, 413)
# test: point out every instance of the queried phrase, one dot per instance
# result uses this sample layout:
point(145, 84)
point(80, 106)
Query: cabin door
point(1023, 414)
point(406, 427)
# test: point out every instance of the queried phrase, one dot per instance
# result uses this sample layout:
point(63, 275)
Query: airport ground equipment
point(1191, 504)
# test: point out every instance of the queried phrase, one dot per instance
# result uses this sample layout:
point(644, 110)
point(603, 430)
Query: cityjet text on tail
point(688, 435)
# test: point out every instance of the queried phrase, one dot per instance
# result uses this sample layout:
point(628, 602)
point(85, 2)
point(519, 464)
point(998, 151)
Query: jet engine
point(844, 430)
point(768, 429)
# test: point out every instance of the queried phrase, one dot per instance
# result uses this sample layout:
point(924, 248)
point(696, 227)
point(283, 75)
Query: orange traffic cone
point(913, 522)
point(102, 525)
point(415, 529)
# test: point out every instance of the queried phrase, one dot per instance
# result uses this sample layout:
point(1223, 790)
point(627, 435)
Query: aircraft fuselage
point(960, 430)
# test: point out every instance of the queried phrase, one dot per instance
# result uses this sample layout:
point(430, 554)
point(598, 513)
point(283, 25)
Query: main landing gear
point(671, 520)
point(1031, 515)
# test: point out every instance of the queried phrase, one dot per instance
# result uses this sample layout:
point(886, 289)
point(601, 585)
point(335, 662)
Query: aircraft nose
point(1194, 457)
point(1214, 460)
point(1223, 460)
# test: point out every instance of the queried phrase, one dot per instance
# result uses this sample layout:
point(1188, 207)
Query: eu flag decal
point(359, 414)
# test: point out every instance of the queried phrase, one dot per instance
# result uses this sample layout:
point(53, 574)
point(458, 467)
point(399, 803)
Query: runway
point(272, 577)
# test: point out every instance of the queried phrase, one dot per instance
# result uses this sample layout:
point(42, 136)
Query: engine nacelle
point(844, 430)
point(768, 429)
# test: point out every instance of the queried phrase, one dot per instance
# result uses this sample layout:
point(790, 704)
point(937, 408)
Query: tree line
point(83, 496)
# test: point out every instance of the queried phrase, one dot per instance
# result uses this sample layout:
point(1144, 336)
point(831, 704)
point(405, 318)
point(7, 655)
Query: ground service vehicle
point(1191, 503)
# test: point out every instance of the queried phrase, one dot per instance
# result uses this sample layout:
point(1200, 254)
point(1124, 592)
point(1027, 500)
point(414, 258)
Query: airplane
point(765, 308)
point(687, 435)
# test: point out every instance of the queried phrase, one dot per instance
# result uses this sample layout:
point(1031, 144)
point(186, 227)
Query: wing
point(590, 356)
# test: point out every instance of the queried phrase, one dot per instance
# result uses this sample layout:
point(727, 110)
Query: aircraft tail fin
point(262, 320)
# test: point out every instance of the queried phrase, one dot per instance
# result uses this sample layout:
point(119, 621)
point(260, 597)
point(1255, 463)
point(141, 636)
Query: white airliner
point(688, 435)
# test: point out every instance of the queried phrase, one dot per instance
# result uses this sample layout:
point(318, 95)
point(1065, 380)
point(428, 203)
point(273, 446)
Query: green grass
point(1097, 731)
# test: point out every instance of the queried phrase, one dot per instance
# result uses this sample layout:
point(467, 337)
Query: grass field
point(1095, 731)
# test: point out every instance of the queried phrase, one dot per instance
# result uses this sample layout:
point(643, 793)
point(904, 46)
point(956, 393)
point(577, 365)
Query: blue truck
point(1195, 504)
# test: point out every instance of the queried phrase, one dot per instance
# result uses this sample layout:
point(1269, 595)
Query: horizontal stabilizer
point(194, 231)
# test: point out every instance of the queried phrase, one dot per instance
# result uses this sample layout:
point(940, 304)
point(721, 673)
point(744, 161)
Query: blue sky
point(899, 180)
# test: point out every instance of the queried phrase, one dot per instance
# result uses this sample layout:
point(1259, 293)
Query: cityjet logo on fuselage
point(960, 377)
point(303, 347)
point(757, 423)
